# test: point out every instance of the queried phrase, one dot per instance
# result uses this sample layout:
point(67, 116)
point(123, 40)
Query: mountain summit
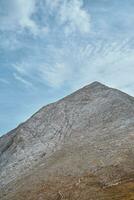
point(84, 141)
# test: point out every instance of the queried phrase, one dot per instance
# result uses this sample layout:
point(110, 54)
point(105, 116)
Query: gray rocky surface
point(89, 130)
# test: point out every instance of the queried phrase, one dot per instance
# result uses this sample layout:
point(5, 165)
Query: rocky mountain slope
point(81, 147)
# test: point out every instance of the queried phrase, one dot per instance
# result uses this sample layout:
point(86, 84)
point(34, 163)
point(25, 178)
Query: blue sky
point(49, 49)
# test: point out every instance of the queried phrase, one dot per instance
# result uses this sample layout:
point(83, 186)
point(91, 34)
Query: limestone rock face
point(89, 131)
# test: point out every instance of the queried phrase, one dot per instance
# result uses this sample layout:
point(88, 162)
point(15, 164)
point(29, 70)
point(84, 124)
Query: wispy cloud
point(4, 81)
point(73, 16)
point(17, 15)
point(20, 68)
point(75, 65)
point(63, 45)
point(22, 80)
point(20, 15)
point(55, 76)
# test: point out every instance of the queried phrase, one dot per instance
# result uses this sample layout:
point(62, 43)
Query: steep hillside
point(81, 147)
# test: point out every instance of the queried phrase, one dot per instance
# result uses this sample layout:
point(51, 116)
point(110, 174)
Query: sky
point(50, 48)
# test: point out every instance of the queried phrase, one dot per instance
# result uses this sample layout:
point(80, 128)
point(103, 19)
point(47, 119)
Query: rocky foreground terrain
point(79, 148)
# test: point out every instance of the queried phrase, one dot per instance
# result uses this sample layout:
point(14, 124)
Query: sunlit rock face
point(88, 132)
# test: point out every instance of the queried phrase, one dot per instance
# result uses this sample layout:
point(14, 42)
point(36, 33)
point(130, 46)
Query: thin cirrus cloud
point(76, 66)
point(19, 15)
point(73, 14)
point(4, 81)
point(49, 48)
point(70, 15)
point(25, 82)
point(75, 61)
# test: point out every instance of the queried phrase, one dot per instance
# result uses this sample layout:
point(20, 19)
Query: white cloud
point(17, 15)
point(25, 10)
point(71, 15)
point(22, 80)
point(4, 81)
point(76, 63)
point(75, 66)
point(53, 73)
point(20, 68)
point(54, 4)
point(107, 62)
point(54, 76)
point(74, 17)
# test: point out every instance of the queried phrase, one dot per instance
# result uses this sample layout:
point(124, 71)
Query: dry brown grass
point(86, 187)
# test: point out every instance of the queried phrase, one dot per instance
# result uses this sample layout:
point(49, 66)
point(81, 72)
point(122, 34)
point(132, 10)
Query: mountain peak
point(89, 131)
point(90, 89)
point(97, 84)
